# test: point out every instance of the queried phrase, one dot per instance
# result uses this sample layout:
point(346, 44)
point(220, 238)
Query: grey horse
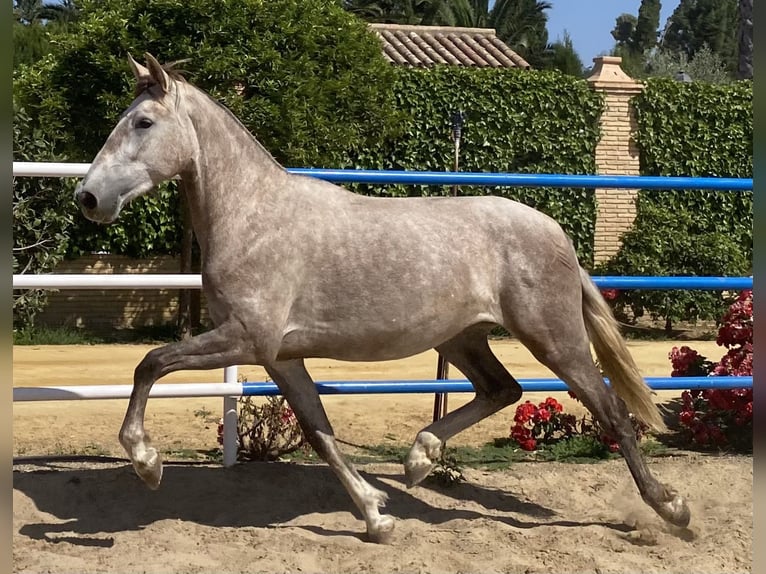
point(295, 267)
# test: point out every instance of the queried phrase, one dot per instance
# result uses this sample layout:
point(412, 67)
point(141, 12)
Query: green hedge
point(515, 121)
point(693, 129)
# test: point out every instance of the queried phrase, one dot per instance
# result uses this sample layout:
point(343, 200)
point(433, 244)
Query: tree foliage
point(635, 35)
point(704, 66)
point(645, 34)
point(745, 40)
point(35, 11)
point(304, 76)
point(698, 23)
point(522, 24)
point(562, 56)
point(35, 25)
point(41, 215)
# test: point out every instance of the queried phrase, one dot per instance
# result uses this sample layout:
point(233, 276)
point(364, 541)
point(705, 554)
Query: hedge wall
point(693, 129)
point(515, 121)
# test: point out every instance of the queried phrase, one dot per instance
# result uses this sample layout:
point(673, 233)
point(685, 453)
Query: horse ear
point(159, 75)
point(140, 72)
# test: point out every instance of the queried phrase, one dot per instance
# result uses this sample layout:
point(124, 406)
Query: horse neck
point(230, 176)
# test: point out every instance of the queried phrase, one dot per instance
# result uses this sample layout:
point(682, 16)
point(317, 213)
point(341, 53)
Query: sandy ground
point(534, 517)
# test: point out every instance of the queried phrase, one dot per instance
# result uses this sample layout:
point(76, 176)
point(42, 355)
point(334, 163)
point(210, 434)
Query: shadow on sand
point(96, 502)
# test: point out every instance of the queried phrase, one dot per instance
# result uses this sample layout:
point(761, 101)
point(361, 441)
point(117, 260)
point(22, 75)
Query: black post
point(442, 366)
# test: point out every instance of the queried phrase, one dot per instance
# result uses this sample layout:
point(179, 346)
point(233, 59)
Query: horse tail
point(615, 359)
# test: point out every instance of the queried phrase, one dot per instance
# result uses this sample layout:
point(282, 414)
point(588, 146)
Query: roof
point(426, 46)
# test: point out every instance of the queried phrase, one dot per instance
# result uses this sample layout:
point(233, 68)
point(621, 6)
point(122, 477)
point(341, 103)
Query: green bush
point(668, 242)
point(701, 130)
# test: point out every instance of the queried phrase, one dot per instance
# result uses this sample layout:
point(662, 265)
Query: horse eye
point(144, 123)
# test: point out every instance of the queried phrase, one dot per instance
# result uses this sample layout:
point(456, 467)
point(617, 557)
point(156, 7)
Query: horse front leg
point(215, 349)
point(301, 394)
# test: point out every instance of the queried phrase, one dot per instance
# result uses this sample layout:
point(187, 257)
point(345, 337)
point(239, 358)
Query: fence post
point(616, 154)
point(230, 420)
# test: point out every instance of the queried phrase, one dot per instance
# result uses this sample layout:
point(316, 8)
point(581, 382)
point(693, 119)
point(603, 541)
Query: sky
point(590, 22)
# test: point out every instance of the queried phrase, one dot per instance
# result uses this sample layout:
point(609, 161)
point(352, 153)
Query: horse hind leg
point(612, 414)
point(495, 389)
point(557, 336)
point(300, 392)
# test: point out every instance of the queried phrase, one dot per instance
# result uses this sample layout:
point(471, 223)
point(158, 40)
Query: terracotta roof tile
point(425, 46)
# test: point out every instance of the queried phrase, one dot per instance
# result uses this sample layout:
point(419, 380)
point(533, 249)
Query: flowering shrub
point(267, 431)
point(712, 417)
point(544, 423)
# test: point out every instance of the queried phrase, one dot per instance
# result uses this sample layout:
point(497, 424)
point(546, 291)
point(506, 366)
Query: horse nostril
point(87, 200)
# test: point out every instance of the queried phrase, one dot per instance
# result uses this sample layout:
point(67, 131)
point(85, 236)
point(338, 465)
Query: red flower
point(553, 404)
point(542, 415)
point(524, 412)
point(287, 415)
point(686, 417)
point(612, 445)
point(610, 294)
point(520, 433)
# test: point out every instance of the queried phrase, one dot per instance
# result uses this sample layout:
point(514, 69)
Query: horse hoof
point(416, 471)
point(150, 468)
point(676, 512)
point(383, 531)
point(419, 463)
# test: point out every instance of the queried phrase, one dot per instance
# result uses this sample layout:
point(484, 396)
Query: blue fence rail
point(525, 179)
point(690, 283)
point(260, 389)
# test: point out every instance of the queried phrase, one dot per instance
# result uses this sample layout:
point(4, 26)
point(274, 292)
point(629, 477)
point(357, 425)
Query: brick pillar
point(616, 154)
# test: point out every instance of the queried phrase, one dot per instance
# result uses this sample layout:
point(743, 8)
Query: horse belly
point(382, 336)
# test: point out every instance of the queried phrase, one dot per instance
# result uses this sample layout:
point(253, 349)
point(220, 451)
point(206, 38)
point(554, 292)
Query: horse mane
point(170, 69)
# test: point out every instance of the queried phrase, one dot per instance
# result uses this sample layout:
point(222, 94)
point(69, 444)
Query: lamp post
point(442, 366)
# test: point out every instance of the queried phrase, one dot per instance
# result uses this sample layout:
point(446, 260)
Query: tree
point(645, 34)
point(696, 23)
point(420, 12)
point(624, 28)
point(635, 35)
point(745, 40)
point(563, 57)
point(30, 43)
point(704, 66)
point(35, 23)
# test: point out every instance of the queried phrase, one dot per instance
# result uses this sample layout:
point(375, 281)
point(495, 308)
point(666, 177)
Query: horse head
point(152, 142)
